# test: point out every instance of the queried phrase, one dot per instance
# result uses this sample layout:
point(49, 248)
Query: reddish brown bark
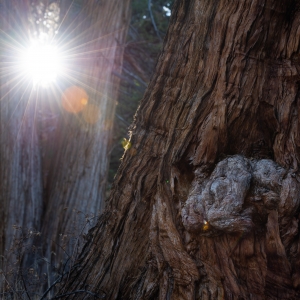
point(205, 204)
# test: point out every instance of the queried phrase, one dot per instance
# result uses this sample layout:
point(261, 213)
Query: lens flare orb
point(74, 99)
point(41, 63)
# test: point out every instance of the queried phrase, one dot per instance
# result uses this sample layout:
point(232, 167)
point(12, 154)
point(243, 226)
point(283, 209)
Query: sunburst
point(41, 63)
point(31, 58)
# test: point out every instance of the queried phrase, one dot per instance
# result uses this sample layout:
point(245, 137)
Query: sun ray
point(63, 19)
point(19, 100)
point(81, 83)
point(26, 108)
point(9, 83)
point(34, 118)
point(79, 54)
point(19, 45)
point(6, 72)
point(82, 45)
point(61, 39)
point(73, 79)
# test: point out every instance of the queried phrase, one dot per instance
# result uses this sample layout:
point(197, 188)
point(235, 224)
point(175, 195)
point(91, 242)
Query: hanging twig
point(153, 21)
point(24, 283)
point(9, 285)
point(58, 280)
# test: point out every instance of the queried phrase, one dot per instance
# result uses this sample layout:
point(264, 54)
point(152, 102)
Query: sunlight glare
point(42, 63)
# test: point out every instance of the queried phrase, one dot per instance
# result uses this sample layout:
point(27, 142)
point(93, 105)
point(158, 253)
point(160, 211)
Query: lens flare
point(74, 99)
point(41, 63)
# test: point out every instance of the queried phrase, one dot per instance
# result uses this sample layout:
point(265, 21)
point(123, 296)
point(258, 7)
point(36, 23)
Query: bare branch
point(57, 280)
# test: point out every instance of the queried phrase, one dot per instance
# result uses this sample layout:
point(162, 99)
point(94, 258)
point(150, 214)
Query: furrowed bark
point(205, 204)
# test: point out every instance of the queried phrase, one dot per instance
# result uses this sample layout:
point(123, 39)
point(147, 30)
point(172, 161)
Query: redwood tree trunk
point(205, 204)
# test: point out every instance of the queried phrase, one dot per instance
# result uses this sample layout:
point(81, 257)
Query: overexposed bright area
point(167, 10)
point(41, 63)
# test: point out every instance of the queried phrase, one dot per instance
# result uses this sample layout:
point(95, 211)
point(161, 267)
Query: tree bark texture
point(205, 204)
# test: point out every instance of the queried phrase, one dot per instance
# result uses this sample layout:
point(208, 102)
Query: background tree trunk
point(76, 186)
point(21, 187)
point(205, 204)
point(54, 162)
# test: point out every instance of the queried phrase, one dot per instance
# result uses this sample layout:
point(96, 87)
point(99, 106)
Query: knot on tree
point(239, 193)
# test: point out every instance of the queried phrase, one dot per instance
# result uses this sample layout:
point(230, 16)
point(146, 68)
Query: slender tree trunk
point(205, 204)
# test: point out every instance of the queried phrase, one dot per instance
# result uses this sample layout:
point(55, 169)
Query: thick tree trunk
point(205, 204)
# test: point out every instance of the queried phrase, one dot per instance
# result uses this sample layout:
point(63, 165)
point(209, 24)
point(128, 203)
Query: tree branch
point(57, 280)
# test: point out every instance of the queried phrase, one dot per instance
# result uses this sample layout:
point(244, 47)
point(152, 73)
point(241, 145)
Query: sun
point(41, 63)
